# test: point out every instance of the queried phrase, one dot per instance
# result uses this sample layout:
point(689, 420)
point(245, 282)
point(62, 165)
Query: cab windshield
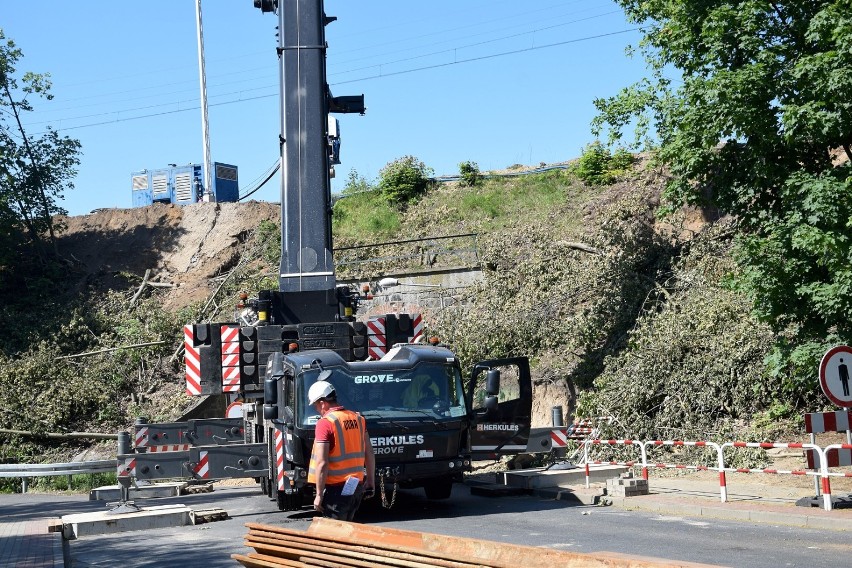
point(428, 390)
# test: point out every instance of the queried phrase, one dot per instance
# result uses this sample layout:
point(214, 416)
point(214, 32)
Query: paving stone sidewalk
point(28, 544)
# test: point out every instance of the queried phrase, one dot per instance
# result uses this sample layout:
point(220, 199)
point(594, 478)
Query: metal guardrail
point(409, 254)
point(24, 471)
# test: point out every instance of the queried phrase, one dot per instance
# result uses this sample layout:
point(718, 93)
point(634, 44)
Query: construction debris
point(626, 486)
point(330, 543)
point(195, 489)
point(200, 516)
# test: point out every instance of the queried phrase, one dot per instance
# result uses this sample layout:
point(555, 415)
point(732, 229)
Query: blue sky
point(495, 82)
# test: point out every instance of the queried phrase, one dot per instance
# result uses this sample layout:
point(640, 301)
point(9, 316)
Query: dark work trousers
point(341, 507)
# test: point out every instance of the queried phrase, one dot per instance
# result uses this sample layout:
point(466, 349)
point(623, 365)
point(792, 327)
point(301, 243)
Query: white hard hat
point(318, 390)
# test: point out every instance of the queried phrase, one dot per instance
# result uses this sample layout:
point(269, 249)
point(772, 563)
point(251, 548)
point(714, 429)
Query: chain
point(382, 493)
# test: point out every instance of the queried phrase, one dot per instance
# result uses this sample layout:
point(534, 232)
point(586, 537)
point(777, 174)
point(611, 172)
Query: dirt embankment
point(181, 245)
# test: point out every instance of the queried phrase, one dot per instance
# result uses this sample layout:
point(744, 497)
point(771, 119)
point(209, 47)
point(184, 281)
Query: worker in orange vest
point(343, 465)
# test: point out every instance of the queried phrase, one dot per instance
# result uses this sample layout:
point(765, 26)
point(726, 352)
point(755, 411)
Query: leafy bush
point(597, 166)
point(470, 174)
point(694, 366)
point(404, 180)
point(541, 294)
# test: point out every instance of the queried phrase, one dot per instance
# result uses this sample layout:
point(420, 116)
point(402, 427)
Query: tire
point(264, 485)
point(439, 489)
point(289, 501)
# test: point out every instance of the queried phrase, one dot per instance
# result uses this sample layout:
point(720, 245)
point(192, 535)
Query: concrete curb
point(755, 513)
point(702, 505)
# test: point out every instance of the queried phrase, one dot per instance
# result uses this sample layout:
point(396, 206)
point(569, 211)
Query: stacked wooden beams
point(337, 544)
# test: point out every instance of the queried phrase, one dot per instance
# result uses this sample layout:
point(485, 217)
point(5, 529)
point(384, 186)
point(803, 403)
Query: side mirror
point(491, 403)
point(270, 399)
point(491, 408)
point(492, 384)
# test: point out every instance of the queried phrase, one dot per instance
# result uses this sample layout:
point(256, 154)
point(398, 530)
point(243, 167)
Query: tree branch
point(141, 287)
point(134, 346)
point(44, 200)
point(580, 246)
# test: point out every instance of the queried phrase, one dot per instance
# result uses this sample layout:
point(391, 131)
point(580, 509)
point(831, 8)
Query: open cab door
point(500, 394)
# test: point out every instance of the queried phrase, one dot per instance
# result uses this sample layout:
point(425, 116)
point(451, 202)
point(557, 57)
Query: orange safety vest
point(346, 458)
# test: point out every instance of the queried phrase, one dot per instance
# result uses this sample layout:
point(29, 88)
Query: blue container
point(183, 185)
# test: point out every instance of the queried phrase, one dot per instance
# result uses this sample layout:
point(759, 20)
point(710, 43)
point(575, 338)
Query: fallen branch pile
point(329, 543)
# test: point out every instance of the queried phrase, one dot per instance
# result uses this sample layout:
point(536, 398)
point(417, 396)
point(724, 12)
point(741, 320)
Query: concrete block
point(627, 486)
point(537, 478)
point(102, 522)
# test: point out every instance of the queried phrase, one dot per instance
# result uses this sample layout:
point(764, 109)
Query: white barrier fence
point(822, 473)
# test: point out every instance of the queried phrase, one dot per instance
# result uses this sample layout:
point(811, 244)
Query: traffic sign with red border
point(835, 375)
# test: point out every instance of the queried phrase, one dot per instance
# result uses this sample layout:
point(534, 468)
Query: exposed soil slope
point(182, 245)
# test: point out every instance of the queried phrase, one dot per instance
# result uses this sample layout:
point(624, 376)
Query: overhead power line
point(195, 107)
point(483, 57)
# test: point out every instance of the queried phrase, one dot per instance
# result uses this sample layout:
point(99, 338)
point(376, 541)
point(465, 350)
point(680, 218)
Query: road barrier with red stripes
point(614, 443)
point(822, 473)
point(723, 490)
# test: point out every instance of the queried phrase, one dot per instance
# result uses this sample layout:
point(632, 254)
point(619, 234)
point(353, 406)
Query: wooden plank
point(371, 550)
point(400, 548)
point(303, 555)
point(380, 547)
point(370, 555)
point(255, 560)
point(494, 554)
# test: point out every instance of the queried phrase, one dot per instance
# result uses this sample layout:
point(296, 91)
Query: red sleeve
point(325, 432)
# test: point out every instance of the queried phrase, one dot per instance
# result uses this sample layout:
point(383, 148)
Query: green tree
point(34, 170)
point(761, 127)
point(404, 180)
point(597, 166)
point(469, 173)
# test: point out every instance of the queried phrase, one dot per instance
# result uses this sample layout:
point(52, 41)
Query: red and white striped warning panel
point(416, 328)
point(127, 467)
point(141, 440)
point(835, 458)
point(279, 458)
point(376, 338)
point(169, 448)
point(192, 360)
point(202, 469)
point(819, 422)
point(230, 358)
point(580, 429)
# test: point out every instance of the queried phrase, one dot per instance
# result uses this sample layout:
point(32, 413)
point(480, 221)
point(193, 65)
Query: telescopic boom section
point(306, 280)
point(306, 260)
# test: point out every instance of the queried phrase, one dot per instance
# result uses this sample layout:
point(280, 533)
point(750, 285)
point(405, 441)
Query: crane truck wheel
point(439, 489)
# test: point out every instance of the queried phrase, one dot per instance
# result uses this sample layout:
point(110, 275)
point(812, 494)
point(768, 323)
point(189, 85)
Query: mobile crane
point(425, 421)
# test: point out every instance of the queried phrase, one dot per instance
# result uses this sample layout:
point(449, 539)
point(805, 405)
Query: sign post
point(835, 378)
point(835, 370)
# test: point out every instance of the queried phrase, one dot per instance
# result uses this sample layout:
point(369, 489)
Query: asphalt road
point(526, 520)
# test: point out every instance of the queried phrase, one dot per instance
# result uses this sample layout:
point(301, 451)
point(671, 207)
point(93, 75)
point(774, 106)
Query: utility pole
point(205, 127)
